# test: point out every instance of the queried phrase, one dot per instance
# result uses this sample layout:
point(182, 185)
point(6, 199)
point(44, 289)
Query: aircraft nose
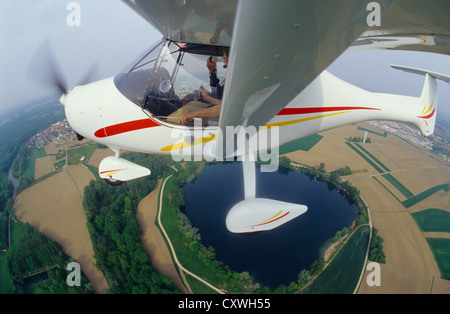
point(62, 99)
point(82, 106)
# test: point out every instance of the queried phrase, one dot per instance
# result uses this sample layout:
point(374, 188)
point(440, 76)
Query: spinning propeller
point(45, 69)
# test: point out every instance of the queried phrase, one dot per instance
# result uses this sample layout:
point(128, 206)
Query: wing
point(412, 25)
point(198, 21)
point(279, 47)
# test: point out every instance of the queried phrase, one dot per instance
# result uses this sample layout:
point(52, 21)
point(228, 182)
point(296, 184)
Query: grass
point(30, 164)
point(342, 274)
point(400, 187)
point(441, 251)
point(184, 254)
point(304, 144)
point(6, 282)
point(75, 155)
point(433, 220)
point(425, 194)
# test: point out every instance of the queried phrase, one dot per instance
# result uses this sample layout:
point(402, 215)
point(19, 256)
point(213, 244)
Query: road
point(179, 265)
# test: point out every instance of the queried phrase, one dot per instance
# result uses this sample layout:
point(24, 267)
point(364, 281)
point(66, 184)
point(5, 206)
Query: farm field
point(54, 207)
point(396, 179)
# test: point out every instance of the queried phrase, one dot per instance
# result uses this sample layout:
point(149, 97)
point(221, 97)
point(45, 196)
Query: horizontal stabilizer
point(260, 214)
point(436, 75)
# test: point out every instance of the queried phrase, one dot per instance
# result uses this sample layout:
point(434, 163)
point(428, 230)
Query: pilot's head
point(226, 52)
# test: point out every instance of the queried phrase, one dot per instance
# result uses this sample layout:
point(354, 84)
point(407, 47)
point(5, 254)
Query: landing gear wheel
point(113, 182)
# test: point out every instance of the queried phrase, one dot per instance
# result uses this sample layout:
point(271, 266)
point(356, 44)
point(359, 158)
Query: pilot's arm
point(214, 82)
point(209, 112)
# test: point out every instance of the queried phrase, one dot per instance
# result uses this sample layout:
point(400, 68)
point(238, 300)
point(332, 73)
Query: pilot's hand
point(211, 64)
point(202, 92)
point(185, 118)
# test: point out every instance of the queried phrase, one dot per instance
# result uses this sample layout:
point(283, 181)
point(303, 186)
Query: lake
point(272, 257)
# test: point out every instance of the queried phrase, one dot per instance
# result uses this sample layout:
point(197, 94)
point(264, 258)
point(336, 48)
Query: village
point(412, 134)
point(58, 133)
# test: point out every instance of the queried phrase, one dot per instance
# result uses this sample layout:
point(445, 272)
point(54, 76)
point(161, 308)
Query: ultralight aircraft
point(275, 86)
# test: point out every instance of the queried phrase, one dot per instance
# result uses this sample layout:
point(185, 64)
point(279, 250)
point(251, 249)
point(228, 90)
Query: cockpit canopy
point(168, 75)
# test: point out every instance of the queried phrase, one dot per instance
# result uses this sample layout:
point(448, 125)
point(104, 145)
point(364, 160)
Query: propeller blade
point(90, 75)
point(45, 69)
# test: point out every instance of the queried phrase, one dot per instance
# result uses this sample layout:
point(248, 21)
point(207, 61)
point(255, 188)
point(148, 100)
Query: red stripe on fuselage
point(427, 117)
point(125, 127)
point(292, 111)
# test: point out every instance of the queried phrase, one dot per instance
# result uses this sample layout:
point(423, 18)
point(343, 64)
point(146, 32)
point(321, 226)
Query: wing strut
point(253, 215)
point(249, 169)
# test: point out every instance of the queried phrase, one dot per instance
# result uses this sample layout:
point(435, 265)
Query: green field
point(411, 199)
point(342, 274)
point(373, 157)
point(6, 282)
point(433, 220)
point(304, 144)
point(441, 252)
point(420, 197)
point(184, 254)
point(400, 187)
point(77, 153)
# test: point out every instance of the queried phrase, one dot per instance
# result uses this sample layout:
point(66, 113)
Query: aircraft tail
point(425, 118)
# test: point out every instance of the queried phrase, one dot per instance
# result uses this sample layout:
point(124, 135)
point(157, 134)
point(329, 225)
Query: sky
point(111, 35)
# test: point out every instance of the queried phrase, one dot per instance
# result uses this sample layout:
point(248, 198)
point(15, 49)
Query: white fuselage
point(99, 112)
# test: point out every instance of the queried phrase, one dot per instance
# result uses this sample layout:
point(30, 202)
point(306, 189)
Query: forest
point(37, 263)
point(115, 232)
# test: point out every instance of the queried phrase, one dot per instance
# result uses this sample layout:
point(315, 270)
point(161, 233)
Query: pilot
point(209, 108)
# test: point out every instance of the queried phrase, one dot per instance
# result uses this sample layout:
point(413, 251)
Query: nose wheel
point(113, 182)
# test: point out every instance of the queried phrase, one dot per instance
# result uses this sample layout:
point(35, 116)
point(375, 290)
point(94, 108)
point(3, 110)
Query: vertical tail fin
point(428, 100)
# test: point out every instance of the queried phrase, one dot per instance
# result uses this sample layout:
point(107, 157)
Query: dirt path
point(152, 240)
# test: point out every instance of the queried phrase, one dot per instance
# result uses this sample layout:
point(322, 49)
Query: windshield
point(168, 76)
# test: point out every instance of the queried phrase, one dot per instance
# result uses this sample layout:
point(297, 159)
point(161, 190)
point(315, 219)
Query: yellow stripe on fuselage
point(176, 146)
point(301, 120)
point(428, 108)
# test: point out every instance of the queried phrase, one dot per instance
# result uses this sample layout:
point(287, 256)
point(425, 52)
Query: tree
point(284, 162)
point(317, 266)
point(176, 198)
point(376, 253)
point(303, 277)
point(322, 167)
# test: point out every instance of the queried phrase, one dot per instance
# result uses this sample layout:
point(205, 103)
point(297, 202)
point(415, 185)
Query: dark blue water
point(277, 256)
